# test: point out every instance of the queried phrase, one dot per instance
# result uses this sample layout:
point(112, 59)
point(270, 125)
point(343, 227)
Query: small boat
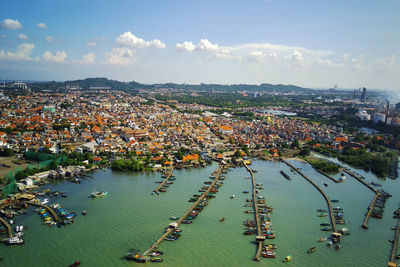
point(269, 254)
point(376, 184)
point(311, 250)
point(342, 177)
point(223, 219)
point(156, 260)
point(84, 212)
point(170, 238)
point(330, 243)
point(322, 239)
point(245, 192)
point(270, 246)
point(322, 214)
point(325, 184)
point(325, 224)
point(187, 222)
point(98, 194)
point(287, 258)
point(233, 196)
point(322, 210)
point(334, 200)
point(285, 175)
point(174, 218)
point(15, 241)
point(337, 246)
point(345, 231)
point(76, 263)
point(326, 229)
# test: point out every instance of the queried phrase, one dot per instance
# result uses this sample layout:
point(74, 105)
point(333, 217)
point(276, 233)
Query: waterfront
point(129, 217)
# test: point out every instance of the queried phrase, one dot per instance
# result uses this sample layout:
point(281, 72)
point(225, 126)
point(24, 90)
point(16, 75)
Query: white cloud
point(58, 57)
point(385, 63)
point(185, 46)
point(10, 24)
point(227, 54)
point(49, 39)
point(127, 39)
point(23, 52)
point(261, 56)
point(120, 55)
point(42, 25)
point(89, 58)
point(203, 45)
point(90, 44)
point(22, 36)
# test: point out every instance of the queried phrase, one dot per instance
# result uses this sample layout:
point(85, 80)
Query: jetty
point(371, 206)
point(165, 181)
point(260, 239)
point(395, 244)
point(172, 226)
point(328, 176)
point(332, 217)
point(6, 225)
point(52, 212)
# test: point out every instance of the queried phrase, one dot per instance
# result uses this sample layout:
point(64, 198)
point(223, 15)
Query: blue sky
point(307, 43)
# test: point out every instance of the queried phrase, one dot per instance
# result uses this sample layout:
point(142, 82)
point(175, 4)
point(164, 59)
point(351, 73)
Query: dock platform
point(395, 245)
point(178, 222)
point(332, 217)
point(259, 238)
point(52, 212)
point(165, 181)
point(8, 226)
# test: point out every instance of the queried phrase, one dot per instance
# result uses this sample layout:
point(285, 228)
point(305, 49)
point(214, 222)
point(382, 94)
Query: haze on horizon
point(309, 43)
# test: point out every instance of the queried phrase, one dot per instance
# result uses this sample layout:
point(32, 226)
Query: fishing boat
point(15, 241)
point(321, 210)
point(330, 243)
point(155, 253)
point(287, 258)
point(325, 224)
point(311, 250)
point(137, 257)
point(325, 184)
point(334, 200)
point(187, 222)
point(376, 184)
point(285, 175)
point(326, 229)
point(223, 219)
point(156, 260)
point(233, 196)
point(345, 231)
point(322, 214)
point(95, 194)
point(322, 239)
point(269, 254)
point(245, 192)
point(174, 218)
point(270, 246)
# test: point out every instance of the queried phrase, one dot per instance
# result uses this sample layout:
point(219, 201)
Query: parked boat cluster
point(379, 206)
point(66, 217)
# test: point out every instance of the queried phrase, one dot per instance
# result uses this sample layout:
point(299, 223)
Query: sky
point(310, 43)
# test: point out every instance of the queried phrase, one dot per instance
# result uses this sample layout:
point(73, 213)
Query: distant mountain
point(117, 85)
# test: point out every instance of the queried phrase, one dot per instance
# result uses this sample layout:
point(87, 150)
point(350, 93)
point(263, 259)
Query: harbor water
point(129, 217)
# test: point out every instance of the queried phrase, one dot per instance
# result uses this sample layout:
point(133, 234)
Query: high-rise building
point(363, 97)
point(397, 107)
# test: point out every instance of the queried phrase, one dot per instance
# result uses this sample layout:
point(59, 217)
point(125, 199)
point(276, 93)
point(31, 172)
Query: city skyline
point(309, 44)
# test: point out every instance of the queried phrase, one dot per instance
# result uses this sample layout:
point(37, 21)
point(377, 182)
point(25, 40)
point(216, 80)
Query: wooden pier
point(52, 212)
point(6, 225)
point(328, 176)
point(395, 244)
point(332, 217)
point(165, 181)
point(260, 239)
point(360, 180)
point(371, 206)
point(178, 222)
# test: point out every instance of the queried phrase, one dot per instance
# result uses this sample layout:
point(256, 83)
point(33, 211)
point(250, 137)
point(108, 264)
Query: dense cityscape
point(199, 133)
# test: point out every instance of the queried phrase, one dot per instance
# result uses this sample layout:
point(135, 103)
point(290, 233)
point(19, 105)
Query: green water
point(129, 217)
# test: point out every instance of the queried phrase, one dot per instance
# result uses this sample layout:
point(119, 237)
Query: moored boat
point(95, 194)
point(287, 258)
point(311, 250)
point(322, 239)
